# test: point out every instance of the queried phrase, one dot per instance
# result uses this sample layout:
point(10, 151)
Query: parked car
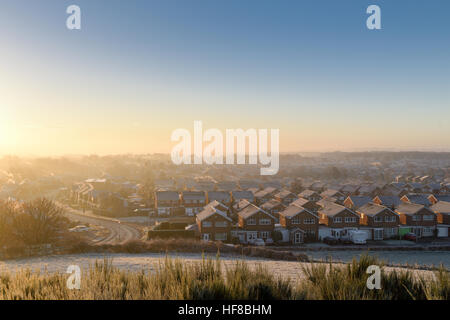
point(410, 236)
point(330, 240)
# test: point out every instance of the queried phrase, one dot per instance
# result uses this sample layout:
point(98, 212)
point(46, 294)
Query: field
point(220, 278)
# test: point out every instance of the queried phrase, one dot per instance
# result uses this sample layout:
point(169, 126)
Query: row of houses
point(305, 220)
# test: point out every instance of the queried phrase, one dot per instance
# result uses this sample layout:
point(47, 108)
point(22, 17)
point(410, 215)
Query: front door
point(298, 237)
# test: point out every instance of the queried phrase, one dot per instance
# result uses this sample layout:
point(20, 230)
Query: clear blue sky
point(310, 68)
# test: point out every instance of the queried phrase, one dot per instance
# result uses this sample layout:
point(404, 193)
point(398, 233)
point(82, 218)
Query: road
point(119, 233)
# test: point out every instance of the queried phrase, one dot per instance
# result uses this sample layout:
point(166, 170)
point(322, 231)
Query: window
point(416, 218)
point(252, 235)
point(265, 222)
point(264, 234)
point(377, 219)
point(309, 221)
point(251, 221)
point(389, 219)
point(378, 234)
point(206, 224)
point(296, 220)
point(337, 220)
point(221, 224)
point(428, 217)
point(427, 230)
point(221, 236)
point(350, 219)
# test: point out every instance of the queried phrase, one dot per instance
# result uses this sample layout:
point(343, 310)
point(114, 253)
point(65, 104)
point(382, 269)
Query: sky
point(139, 69)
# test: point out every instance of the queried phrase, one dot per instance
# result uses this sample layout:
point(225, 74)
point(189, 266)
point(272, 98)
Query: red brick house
point(213, 224)
point(380, 222)
point(193, 202)
point(336, 220)
point(307, 204)
point(355, 202)
point(442, 210)
point(166, 202)
point(417, 218)
point(254, 222)
point(301, 223)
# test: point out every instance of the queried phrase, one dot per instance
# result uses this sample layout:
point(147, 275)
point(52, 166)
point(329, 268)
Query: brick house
point(301, 223)
point(417, 198)
point(237, 196)
point(336, 220)
point(193, 202)
point(442, 210)
point(331, 193)
point(391, 202)
point(166, 202)
point(254, 222)
point(380, 222)
point(416, 218)
point(221, 196)
point(213, 224)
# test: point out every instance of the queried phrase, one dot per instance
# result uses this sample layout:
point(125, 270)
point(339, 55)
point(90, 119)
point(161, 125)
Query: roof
point(219, 195)
point(238, 195)
point(390, 201)
point(265, 192)
point(293, 210)
point(418, 198)
point(372, 209)
point(271, 204)
point(167, 195)
point(307, 193)
point(442, 197)
point(210, 211)
point(329, 193)
point(332, 209)
point(359, 201)
point(193, 195)
point(441, 207)
point(241, 204)
point(218, 205)
point(409, 208)
point(301, 202)
point(250, 210)
point(284, 193)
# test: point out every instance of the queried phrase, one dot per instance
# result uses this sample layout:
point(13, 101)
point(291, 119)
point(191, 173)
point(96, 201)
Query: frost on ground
point(149, 262)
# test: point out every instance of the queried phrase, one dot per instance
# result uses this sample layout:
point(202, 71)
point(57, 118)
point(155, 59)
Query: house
point(310, 195)
point(221, 196)
point(213, 224)
point(273, 207)
point(301, 224)
point(226, 186)
point(265, 194)
point(307, 204)
point(355, 202)
point(253, 223)
point(336, 220)
point(285, 196)
point(388, 201)
point(318, 186)
point(442, 210)
point(379, 221)
point(166, 202)
point(331, 193)
point(237, 196)
point(193, 202)
point(416, 218)
point(434, 198)
point(416, 198)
